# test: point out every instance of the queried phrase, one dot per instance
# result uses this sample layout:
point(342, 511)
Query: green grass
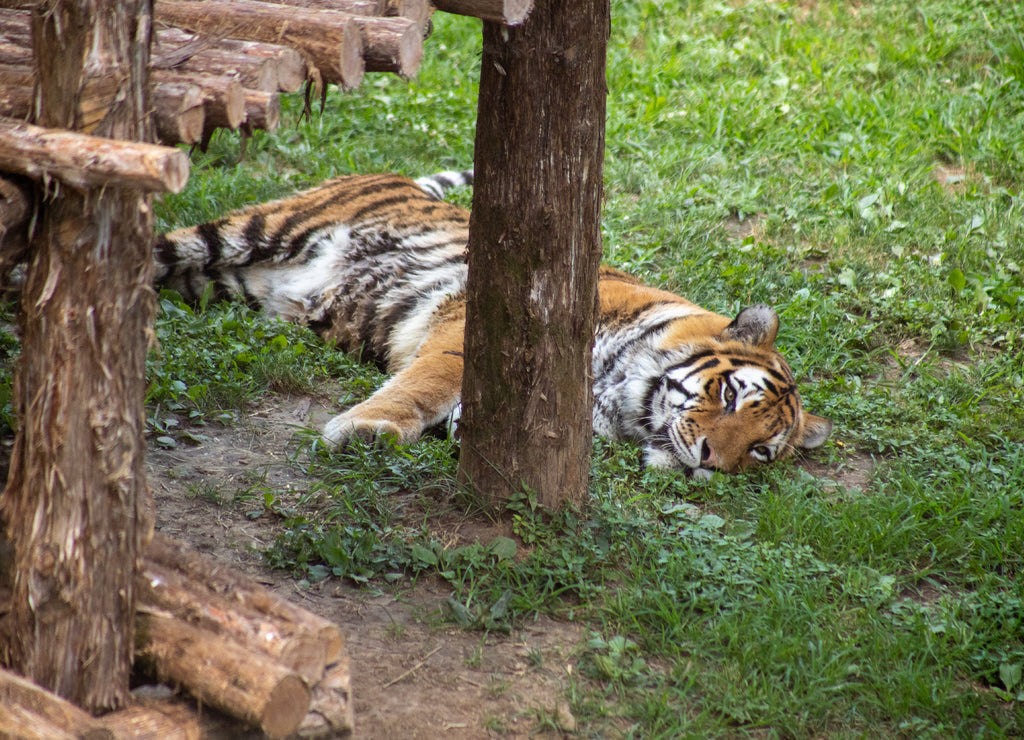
point(857, 165)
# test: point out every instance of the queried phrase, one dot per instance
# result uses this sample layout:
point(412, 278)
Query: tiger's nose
point(708, 458)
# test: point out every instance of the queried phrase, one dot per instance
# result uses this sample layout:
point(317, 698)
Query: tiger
point(376, 264)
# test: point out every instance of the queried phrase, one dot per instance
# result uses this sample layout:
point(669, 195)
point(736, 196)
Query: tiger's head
point(731, 404)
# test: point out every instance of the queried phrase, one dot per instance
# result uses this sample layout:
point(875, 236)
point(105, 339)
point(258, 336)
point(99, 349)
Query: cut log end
point(174, 167)
point(391, 45)
point(262, 110)
point(286, 707)
point(351, 65)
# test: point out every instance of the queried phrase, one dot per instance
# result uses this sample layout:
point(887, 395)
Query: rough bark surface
point(534, 253)
point(74, 505)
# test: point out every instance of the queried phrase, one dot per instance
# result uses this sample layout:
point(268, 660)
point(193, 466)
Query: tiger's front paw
point(343, 428)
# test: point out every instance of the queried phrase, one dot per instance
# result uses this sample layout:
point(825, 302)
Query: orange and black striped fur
point(377, 264)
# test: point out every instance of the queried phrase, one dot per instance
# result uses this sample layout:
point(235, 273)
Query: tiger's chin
point(655, 457)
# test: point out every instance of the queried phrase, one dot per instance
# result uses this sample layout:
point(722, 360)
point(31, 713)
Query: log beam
point(393, 44)
point(329, 39)
point(418, 11)
point(15, 211)
point(84, 161)
point(157, 720)
point(507, 12)
point(179, 111)
point(223, 98)
point(224, 674)
point(16, 102)
point(294, 647)
point(219, 578)
point(258, 65)
point(194, 57)
point(262, 111)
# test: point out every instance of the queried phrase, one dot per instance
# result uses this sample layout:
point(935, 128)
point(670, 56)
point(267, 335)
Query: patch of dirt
point(952, 178)
point(414, 675)
point(740, 228)
point(852, 475)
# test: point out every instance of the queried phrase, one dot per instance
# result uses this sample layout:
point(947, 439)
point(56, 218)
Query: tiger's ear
point(756, 325)
point(814, 431)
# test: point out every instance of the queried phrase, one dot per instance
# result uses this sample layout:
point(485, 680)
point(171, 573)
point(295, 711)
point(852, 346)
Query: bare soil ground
point(414, 675)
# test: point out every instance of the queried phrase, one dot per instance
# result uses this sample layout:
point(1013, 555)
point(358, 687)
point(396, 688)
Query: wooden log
point(29, 711)
point(254, 73)
point(291, 67)
point(15, 202)
point(331, 710)
point(155, 720)
point(255, 63)
point(20, 75)
point(355, 7)
point(178, 108)
point(16, 25)
point(84, 161)
point(418, 11)
point(15, 210)
point(262, 110)
point(242, 589)
point(179, 112)
point(14, 53)
point(507, 12)
point(162, 588)
point(16, 102)
point(328, 39)
point(219, 672)
point(259, 66)
point(223, 98)
point(18, 723)
point(173, 718)
point(389, 44)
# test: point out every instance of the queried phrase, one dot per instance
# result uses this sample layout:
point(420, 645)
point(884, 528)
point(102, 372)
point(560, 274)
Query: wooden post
point(75, 502)
point(534, 253)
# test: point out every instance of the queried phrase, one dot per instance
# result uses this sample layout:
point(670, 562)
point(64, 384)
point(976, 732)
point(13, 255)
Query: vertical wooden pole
point(534, 253)
point(74, 506)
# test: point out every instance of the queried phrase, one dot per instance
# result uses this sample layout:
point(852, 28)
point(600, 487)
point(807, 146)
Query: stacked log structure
point(223, 63)
point(229, 642)
point(219, 637)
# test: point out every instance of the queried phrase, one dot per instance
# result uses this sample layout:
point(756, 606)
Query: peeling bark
point(74, 505)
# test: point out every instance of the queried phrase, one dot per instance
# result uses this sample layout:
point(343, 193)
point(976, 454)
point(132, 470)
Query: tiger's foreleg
point(418, 397)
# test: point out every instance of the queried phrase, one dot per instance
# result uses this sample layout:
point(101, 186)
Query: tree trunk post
point(74, 505)
point(534, 253)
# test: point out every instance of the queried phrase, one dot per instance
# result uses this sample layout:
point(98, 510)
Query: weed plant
point(857, 165)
